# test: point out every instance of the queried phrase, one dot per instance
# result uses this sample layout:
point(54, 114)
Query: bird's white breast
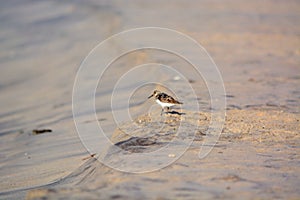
point(162, 104)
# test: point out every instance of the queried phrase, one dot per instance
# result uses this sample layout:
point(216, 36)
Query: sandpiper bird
point(164, 100)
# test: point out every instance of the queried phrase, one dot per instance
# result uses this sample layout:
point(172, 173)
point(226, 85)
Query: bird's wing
point(169, 99)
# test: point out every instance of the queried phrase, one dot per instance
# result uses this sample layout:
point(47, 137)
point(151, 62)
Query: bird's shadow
point(174, 113)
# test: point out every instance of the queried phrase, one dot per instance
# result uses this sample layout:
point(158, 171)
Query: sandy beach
point(255, 46)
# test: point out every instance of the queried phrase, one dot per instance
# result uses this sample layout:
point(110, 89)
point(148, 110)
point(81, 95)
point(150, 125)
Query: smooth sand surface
point(256, 47)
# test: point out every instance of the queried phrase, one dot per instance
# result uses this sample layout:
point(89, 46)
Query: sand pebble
point(172, 155)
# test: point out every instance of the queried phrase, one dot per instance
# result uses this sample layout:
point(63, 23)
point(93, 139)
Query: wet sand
point(254, 158)
point(256, 47)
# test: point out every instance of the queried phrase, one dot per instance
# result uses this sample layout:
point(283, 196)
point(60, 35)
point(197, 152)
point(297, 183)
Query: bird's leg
point(162, 110)
point(168, 108)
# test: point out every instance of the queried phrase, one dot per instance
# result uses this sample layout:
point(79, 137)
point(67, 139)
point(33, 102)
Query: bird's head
point(155, 93)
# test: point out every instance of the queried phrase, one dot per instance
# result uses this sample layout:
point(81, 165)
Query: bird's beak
point(150, 96)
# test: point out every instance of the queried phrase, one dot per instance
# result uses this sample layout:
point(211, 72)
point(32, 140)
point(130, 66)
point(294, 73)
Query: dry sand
point(256, 47)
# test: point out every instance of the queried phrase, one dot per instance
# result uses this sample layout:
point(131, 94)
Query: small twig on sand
point(90, 156)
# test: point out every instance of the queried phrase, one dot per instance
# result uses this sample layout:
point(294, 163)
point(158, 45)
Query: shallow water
point(255, 45)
